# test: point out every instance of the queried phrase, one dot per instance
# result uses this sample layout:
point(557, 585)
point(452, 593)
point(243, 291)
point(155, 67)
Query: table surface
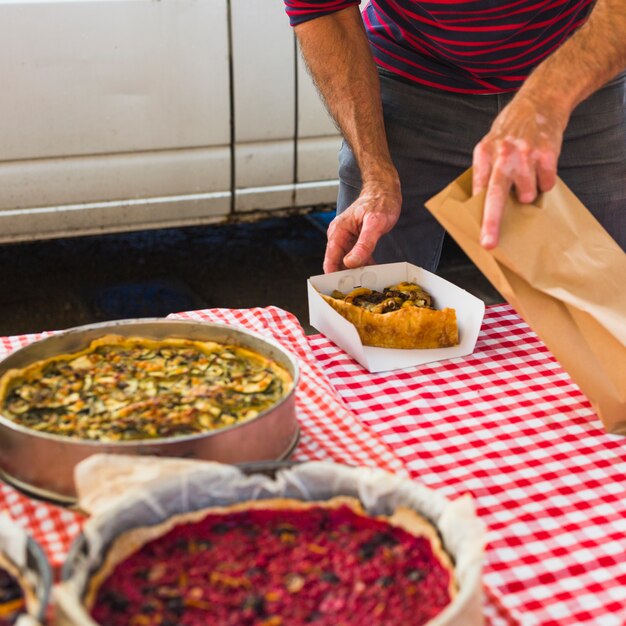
point(505, 424)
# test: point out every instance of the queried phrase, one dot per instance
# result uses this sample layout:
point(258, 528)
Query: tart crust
point(406, 328)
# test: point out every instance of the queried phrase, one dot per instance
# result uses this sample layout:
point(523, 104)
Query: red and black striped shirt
point(476, 46)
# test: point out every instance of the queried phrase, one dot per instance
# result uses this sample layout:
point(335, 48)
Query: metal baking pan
point(38, 577)
point(43, 464)
point(37, 563)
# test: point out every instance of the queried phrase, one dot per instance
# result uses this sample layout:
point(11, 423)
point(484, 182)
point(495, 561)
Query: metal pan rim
point(127, 323)
point(64, 500)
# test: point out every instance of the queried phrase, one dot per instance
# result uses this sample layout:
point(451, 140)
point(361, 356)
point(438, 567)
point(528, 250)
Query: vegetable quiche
point(275, 563)
point(401, 316)
point(129, 388)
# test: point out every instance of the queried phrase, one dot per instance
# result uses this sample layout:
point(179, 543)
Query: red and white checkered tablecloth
point(506, 424)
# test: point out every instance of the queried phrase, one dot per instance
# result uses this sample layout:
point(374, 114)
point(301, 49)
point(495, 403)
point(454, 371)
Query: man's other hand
point(353, 234)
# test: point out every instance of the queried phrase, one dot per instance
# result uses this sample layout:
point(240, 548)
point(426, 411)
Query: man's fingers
point(497, 193)
point(353, 235)
point(526, 182)
point(374, 227)
point(359, 255)
point(481, 168)
point(349, 249)
point(520, 151)
point(333, 258)
point(340, 241)
point(515, 161)
point(546, 170)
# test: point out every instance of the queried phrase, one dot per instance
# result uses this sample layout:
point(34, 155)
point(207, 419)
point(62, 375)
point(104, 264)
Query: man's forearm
point(338, 55)
point(590, 58)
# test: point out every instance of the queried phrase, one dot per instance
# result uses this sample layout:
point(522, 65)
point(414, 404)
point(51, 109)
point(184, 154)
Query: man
point(423, 90)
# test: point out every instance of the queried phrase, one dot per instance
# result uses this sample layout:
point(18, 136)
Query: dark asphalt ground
point(57, 284)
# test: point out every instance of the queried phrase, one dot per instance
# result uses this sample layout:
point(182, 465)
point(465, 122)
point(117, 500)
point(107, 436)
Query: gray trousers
point(431, 137)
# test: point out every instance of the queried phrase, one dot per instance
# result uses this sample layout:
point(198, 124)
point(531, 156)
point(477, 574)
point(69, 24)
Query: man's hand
point(353, 234)
point(520, 152)
point(522, 148)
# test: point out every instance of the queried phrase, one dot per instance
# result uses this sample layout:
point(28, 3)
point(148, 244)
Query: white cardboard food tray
point(469, 312)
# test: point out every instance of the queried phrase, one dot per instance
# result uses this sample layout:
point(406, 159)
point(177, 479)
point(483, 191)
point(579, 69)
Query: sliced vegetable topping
point(141, 389)
point(390, 299)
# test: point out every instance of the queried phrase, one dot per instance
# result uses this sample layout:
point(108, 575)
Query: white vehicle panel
point(264, 104)
point(99, 77)
point(318, 138)
point(132, 114)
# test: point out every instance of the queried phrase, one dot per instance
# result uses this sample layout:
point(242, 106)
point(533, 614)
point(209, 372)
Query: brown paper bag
point(563, 274)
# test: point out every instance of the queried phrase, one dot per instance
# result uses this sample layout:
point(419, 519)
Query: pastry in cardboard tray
point(129, 388)
point(276, 562)
point(401, 316)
